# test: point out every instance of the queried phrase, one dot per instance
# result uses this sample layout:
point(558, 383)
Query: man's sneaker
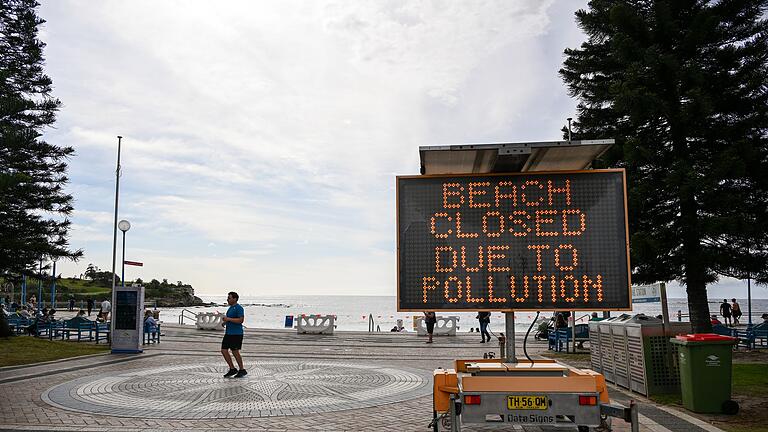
point(241, 373)
point(232, 372)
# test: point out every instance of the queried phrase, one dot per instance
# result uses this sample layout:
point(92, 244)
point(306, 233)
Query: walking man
point(735, 311)
point(484, 318)
point(233, 336)
point(725, 311)
point(89, 304)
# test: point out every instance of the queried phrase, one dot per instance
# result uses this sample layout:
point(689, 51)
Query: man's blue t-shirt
point(235, 311)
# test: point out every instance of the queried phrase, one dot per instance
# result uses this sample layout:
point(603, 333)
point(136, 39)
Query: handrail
point(371, 323)
point(191, 316)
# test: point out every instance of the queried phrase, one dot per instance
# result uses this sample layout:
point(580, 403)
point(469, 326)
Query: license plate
point(527, 402)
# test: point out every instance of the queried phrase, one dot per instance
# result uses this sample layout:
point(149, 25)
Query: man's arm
point(236, 320)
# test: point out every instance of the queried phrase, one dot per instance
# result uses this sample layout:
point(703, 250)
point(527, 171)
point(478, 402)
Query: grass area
point(750, 380)
point(22, 350)
point(79, 288)
point(667, 399)
point(750, 390)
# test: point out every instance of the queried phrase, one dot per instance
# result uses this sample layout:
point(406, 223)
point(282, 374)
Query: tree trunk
point(695, 282)
point(695, 269)
point(698, 306)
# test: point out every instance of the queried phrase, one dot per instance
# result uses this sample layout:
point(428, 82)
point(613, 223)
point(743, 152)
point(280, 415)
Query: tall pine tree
point(683, 87)
point(33, 204)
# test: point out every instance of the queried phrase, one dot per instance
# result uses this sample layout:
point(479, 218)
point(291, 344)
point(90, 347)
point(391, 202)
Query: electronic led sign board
point(529, 241)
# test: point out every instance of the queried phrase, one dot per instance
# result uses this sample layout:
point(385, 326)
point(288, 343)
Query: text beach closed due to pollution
point(518, 241)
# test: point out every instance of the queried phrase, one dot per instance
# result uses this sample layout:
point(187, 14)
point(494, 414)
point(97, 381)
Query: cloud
point(264, 136)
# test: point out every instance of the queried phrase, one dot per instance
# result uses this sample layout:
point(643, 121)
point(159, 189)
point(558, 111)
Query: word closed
point(528, 241)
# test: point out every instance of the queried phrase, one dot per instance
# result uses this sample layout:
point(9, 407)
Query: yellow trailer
point(542, 392)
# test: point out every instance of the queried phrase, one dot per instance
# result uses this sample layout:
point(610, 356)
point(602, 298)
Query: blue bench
point(760, 333)
point(56, 329)
point(151, 336)
point(755, 337)
point(43, 329)
point(722, 330)
point(81, 327)
point(19, 324)
point(563, 336)
point(102, 331)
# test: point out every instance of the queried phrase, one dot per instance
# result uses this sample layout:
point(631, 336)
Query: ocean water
point(352, 311)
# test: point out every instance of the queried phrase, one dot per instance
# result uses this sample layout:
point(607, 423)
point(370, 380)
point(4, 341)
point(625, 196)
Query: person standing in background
point(561, 321)
point(430, 319)
point(89, 303)
point(106, 308)
point(233, 336)
point(735, 311)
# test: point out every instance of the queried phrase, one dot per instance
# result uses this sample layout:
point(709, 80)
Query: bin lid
point(644, 320)
point(704, 337)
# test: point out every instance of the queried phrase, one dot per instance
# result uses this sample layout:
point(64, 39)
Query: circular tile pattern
point(272, 388)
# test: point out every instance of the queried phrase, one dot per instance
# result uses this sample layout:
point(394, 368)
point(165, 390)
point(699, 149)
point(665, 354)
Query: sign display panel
point(125, 310)
point(528, 241)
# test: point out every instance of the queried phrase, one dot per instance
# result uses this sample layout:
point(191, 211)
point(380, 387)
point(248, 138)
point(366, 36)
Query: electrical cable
point(525, 341)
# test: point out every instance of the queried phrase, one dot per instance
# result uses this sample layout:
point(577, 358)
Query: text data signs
point(527, 241)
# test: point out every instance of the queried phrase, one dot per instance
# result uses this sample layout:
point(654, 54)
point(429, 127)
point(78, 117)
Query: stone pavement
point(348, 381)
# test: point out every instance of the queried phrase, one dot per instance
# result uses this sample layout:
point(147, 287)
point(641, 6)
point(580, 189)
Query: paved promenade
point(350, 381)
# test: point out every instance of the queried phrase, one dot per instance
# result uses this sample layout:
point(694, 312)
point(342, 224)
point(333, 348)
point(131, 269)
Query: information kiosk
point(515, 227)
point(127, 319)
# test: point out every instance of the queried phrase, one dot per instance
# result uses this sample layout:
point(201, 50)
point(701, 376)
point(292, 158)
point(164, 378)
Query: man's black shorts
point(233, 342)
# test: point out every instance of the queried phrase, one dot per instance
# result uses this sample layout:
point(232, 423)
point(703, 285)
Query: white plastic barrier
point(445, 326)
point(315, 324)
point(209, 321)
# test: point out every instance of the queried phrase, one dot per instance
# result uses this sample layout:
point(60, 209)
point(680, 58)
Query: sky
point(261, 140)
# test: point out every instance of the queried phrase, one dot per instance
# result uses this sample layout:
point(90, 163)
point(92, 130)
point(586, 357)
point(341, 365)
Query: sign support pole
point(664, 305)
point(509, 324)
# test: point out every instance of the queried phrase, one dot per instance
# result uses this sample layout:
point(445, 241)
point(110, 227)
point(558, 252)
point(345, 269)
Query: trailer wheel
point(605, 424)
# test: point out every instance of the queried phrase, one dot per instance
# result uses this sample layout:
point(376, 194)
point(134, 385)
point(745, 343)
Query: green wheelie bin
point(705, 372)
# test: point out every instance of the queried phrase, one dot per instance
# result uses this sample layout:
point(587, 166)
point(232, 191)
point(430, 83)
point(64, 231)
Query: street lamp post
point(53, 287)
point(114, 230)
point(124, 226)
point(40, 286)
point(749, 302)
